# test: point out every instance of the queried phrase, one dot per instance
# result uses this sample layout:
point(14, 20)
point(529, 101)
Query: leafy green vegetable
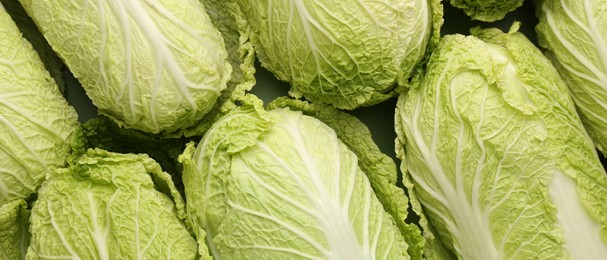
point(51, 61)
point(14, 235)
point(157, 66)
point(497, 161)
point(379, 168)
point(280, 184)
point(104, 134)
point(345, 53)
point(575, 34)
point(108, 205)
point(487, 10)
point(35, 120)
point(235, 32)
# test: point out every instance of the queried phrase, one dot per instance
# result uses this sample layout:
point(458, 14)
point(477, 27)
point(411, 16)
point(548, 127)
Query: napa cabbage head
point(345, 53)
point(158, 66)
point(282, 185)
point(580, 57)
point(487, 10)
point(110, 206)
point(36, 122)
point(497, 161)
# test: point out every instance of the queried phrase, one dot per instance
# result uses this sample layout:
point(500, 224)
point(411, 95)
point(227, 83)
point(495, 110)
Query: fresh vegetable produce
point(487, 10)
point(35, 120)
point(51, 61)
point(104, 134)
point(154, 65)
point(497, 162)
point(281, 185)
point(226, 17)
point(110, 206)
point(14, 234)
point(35, 125)
point(575, 34)
point(345, 53)
point(493, 155)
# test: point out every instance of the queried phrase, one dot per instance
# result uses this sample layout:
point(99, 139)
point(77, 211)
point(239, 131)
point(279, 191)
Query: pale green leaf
point(35, 120)
point(281, 185)
point(110, 206)
point(157, 66)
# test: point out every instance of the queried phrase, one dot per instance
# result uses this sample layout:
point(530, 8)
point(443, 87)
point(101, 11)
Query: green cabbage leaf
point(487, 10)
point(110, 206)
point(30, 32)
point(345, 53)
point(226, 17)
point(158, 66)
point(36, 122)
point(497, 162)
point(575, 35)
point(14, 234)
point(282, 185)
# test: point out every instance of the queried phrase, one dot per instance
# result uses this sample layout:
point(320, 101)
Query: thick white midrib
point(303, 15)
point(473, 234)
point(597, 36)
point(99, 236)
point(581, 232)
point(339, 231)
point(571, 47)
point(472, 231)
point(156, 39)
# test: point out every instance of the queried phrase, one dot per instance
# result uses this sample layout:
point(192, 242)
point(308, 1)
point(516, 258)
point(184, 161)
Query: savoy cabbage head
point(157, 66)
point(345, 53)
point(497, 161)
point(110, 206)
point(575, 34)
point(282, 185)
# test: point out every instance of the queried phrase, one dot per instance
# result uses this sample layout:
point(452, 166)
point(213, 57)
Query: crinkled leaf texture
point(14, 234)
point(345, 53)
point(26, 25)
point(497, 161)
point(281, 185)
point(379, 168)
point(35, 120)
point(226, 17)
point(103, 133)
point(110, 206)
point(152, 65)
point(575, 34)
point(487, 10)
